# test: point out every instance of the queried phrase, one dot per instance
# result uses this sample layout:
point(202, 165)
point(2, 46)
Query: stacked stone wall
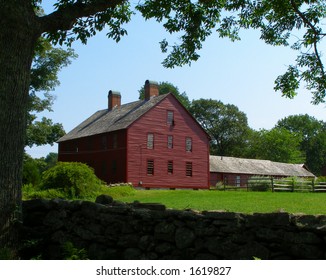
point(109, 229)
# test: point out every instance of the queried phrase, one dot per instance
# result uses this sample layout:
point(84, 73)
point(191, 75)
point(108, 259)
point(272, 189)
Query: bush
point(76, 180)
point(31, 173)
point(31, 192)
point(70, 252)
point(259, 184)
point(219, 186)
point(321, 179)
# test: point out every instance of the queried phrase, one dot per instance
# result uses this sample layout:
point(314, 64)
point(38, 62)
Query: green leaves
point(295, 23)
point(43, 132)
point(226, 125)
point(193, 21)
point(277, 144)
point(75, 179)
point(288, 83)
point(82, 19)
point(311, 133)
point(47, 63)
point(298, 24)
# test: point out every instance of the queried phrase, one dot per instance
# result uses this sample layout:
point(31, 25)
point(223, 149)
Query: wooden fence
point(277, 185)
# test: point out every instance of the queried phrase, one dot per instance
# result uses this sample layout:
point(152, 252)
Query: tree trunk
point(17, 40)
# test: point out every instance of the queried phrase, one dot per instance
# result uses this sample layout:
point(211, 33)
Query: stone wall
point(113, 230)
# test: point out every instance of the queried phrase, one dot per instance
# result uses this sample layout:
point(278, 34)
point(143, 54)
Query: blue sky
point(240, 73)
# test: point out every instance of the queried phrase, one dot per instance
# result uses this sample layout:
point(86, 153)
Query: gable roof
point(223, 164)
point(112, 120)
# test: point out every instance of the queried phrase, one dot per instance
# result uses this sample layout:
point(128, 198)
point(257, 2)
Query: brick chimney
point(151, 89)
point(114, 100)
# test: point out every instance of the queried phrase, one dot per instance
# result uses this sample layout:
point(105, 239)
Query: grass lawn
point(234, 201)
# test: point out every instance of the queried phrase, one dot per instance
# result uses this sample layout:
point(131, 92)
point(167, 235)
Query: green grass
point(234, 201)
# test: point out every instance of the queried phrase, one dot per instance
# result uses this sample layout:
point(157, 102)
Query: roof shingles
point(111, 120)
point(233, 165)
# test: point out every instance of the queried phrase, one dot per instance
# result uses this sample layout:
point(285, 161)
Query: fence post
point(292, 189)
point(272, 181)
point(313, 184)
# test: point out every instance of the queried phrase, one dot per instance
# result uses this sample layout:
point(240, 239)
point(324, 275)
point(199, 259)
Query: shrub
point(301, 184)
point(77, 180)
point(321, 179)
point(70, 252)
point(219, 186)
point(7, 254)
point(31, 173)
point(31, 192)
point(260, 184)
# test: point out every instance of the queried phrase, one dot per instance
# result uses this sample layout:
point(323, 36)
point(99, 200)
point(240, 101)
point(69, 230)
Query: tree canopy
point(277, 144)
point(225, 123)
point(298, 24)
point(47, 63)
point(311, 135)
point(294, 23)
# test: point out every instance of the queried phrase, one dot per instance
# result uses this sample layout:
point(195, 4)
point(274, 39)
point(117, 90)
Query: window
point(115, 141)
point(170, 167)
point(150, 141)
point(114, 167)
point(104, 142)
point(76, 146)
point(189, 169)
point(104, 168)
point(188, 144)
point(238, 181)
point(170, 141)
point(150, 167)
point(90, 143)
point(170, 118)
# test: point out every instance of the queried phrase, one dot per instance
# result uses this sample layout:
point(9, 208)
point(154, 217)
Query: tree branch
point(320, 63)
point(304, 18)
point(315, 32)
point(65, 17)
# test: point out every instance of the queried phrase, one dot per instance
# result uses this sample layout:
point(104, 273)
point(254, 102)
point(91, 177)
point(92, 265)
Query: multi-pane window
point(170, 141)
point(150, 141)
point(114, 167)
point(189, 169)
point(170, 118)
point(115, 141)
point(150, 167)
point(170, 167)
point(89, 143)
point(76, 146)
point(188, 144)
point(238, 181)
point(104, 168)
point(104, 142)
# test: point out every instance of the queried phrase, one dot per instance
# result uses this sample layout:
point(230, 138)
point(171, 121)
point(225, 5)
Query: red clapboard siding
point(155, 121)
point(99, 152)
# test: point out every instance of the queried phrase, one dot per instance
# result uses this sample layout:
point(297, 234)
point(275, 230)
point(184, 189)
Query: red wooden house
point(152, 143)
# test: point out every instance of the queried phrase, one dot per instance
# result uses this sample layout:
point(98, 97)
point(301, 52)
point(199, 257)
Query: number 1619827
point(210, 270)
